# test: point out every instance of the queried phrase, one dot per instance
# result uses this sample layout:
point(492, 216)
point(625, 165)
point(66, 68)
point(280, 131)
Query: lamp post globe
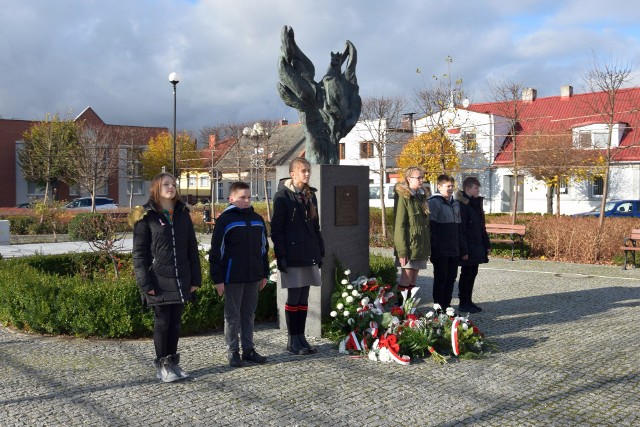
point(174, 79)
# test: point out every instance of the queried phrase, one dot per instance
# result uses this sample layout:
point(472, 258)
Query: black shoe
point(475, 308)
point(295, 346)
point(253, 356)
point(303, 340)
point(234, 360)
point(469, 308)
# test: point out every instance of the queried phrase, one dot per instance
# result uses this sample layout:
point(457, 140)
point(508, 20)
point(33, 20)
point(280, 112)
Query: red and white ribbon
point(455, 345)
point(352, 342)
point(373, 329)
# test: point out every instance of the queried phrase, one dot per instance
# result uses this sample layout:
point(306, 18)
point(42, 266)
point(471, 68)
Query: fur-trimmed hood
point(403, 190)
point(139, 212)
point(461, 197)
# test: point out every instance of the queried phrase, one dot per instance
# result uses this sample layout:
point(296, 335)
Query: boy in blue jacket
point(239, 268)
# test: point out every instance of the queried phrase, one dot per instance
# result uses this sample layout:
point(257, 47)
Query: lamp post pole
point(174, 79)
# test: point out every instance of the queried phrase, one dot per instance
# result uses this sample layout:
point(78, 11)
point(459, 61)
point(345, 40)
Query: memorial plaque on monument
point(347, 205)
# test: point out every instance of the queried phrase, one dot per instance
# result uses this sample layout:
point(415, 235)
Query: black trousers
point(166, 328)
point(445, 270)
point(468, 275)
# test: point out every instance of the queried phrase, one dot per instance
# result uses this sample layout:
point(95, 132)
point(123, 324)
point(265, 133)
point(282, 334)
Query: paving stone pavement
point(568, 337)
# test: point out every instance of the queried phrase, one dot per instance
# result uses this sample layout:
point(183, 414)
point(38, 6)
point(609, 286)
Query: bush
point(383, 268)
point(20, 225)
point(90, 226)
point(76, 295)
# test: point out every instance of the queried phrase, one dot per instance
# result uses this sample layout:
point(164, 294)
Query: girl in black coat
point(299, 248)
point(167, 267)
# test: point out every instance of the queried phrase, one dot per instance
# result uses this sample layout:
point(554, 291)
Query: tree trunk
point(550, 194)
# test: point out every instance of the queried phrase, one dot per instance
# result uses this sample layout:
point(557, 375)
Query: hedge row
point(549, 237)
point(51, 295)
point(78, 294)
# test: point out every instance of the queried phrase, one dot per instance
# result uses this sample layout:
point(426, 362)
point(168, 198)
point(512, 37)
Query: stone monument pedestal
point(343, 206)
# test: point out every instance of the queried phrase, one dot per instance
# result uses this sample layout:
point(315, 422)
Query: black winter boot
point(302, 323)
point(294, 345)
point(165, 373)
point(175, 367)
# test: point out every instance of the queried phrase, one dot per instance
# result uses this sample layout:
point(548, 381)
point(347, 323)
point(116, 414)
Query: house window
point(134, 170)
point(35, 189)
point(220, 190)
point(563, 185)
point(74, 190)
point(341, 148)
point(366, 150)
point(597, 186)
point(588, 139)
point(469, 142)
point(269, 188)
point(191, 180)
point(102, 189)
point(204, 181)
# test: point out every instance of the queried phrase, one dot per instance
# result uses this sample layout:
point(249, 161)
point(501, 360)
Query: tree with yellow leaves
point(160, 153)
point(433, 151)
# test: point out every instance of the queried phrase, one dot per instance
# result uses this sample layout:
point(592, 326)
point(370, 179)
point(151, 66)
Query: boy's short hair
point(237, 186)
point(443, 178)
point(470, 181)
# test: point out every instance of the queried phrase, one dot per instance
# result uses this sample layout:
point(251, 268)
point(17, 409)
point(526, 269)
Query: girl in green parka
point(411, 233)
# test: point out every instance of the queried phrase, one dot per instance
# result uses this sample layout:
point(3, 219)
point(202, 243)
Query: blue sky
point(115, 56)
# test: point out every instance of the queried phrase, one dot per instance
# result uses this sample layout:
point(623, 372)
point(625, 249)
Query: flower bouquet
point(367, 322)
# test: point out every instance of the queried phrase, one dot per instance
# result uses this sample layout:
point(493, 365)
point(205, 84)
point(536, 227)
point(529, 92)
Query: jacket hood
point(243, 211)
point(403, 190)
point(287, 183)
point(138, 212)
point(461, 197)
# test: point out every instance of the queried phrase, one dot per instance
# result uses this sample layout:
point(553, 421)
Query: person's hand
point(193, 289)
point(263, 283)
point(282, 265)
point(403, 260)
point(151, 292)
point(465, 257)
point(220, 288)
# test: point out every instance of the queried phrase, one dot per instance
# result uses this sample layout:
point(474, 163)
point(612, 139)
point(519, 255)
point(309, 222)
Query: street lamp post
point(255, 134)
point(174, 79)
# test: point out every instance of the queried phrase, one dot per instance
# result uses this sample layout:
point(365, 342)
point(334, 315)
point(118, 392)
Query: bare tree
point(379, 117)
point(96, 158)
point(508, 96)
point(608, 79)
point(552, 157)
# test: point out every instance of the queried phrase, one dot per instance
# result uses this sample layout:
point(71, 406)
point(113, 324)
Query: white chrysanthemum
point(349, 299)
point(354, 293)
point(344, 295)
point(364, 302)
point(450, 311)
point(333, 313)
point(273, 277)
point(346, 313)
point(340, 306)
point(429, 315)
point(351, 321)
point(384, 355)
point(437, 307)
point(344, 282)
point(349, 287)
point(273, 263)
point(373, 355)
point(465, 326)
point(347, 272)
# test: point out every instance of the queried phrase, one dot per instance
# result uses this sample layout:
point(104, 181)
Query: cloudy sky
point(116, 55)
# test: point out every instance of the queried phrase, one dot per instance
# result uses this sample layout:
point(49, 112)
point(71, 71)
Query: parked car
point(25, 206)
point(84, 203)
point(616, 208)
point(374, 195)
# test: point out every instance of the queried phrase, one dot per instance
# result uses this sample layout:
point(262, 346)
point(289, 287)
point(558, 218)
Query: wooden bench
point(515, 235)
point(631, 246)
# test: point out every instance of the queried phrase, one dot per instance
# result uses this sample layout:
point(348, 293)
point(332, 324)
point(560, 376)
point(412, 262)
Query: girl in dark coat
point(167, 267)
point(476, 241)
point(298, 246)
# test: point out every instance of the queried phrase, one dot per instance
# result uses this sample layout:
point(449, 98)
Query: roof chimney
point(566, 91)
point(407, 121)
point(284, 122)
point(529, 94)
point(212, 140)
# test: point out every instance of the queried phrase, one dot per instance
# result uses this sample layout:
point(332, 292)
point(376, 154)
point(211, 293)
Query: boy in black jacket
point(239, 268)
